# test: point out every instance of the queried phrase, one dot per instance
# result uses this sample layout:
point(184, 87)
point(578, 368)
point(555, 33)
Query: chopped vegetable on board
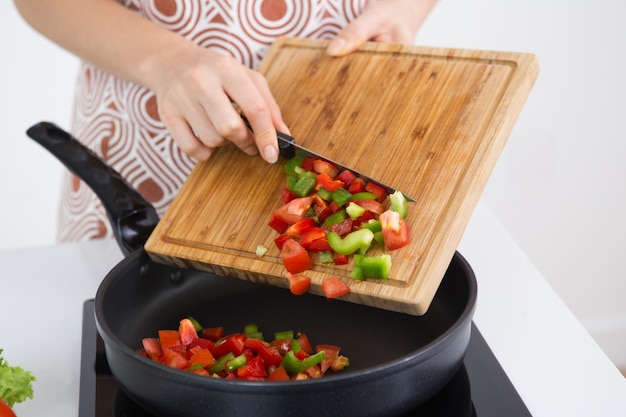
point(334, 217)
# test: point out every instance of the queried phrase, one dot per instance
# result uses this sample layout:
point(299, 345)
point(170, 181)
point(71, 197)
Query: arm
point(183, 75)
point(391, 21)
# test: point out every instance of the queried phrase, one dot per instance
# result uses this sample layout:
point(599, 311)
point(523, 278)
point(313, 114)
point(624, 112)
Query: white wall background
point(559, 187)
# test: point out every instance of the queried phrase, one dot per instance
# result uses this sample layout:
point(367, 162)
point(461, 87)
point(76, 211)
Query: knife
point(288, 148)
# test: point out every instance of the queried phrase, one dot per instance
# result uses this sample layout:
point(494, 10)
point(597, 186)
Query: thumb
point(353, 35)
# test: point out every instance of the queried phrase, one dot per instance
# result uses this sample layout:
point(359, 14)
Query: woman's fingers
point(389, 21)
point(196, 107)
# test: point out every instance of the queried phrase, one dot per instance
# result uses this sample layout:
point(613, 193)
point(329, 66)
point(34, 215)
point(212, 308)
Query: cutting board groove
point(431, 122)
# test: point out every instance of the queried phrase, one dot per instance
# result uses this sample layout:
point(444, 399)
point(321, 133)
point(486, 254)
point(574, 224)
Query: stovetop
point(479, 389)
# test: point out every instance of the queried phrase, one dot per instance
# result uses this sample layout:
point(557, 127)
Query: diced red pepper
point(187, 331)
point(320, 245)
point(342, 228)
point(254, 368)
point(305, 344)
point(356, 186)
point(280, 240)
point(332, 351)
point(324, 180)
point(310, 235)
point(204, 357)
point(297, 229)
point(169, 338)
point(360, 220)
point(340, 259)
point(325, 167)
point(233, 343)
point(334, 207)
point(199, 371)
point(153, 348)
point(283, 345)
point(295, 258)
point(371, 205)
point(298, 284)
point(346, 176)
point(395, 230)
point(213, 333)
point(321, 208)
point(307, 164)
point(301, 354)
point(278, 224)
point(294, 211)
point(279, 374)
point(270, 354)
point(286, 195)
point(379, 191)
point(333, 287)
point(175, 359)
point(201, 342)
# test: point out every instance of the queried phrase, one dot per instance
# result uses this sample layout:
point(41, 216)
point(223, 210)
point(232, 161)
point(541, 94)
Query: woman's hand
point(196, 89)
point(194, 86)
point(389, 21)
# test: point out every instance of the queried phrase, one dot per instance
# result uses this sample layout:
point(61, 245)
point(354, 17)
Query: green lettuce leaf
point(15, 383)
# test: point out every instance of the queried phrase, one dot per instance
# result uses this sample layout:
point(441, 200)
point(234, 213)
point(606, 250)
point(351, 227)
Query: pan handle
point(132, 217)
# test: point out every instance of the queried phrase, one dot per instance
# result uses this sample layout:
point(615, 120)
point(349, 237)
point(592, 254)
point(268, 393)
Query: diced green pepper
point(291, 165)
point(295, 345)
point(324, 194)
point(373, 225)
point(357, 273)
point(304, 185)
point(354, 210)
point(341, 196)
point(399, 204)
point(291, 181)
point(293, 365)
point(196, 324)
point(250, 328)
point(220, 364)
point(358, 240)
point(325, 257)
point(252, 331)
point(335, 218)
point(285, 334)
point(236, 362)
point(376, 266)
point(363, 196)
point(379, 239)
point(195, 367)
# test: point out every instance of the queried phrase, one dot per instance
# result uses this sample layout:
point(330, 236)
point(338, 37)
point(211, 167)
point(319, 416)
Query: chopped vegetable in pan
point(247, 356)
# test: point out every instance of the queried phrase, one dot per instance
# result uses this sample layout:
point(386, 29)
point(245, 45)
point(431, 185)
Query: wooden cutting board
point(430, 122)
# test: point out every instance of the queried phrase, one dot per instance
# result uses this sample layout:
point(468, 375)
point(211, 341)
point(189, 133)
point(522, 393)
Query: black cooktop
point(480, 388)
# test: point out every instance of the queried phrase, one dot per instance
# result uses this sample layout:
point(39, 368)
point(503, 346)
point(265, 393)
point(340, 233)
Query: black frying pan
point(397, 361)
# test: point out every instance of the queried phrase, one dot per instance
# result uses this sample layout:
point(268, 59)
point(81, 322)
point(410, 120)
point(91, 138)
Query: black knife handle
point(286, 149)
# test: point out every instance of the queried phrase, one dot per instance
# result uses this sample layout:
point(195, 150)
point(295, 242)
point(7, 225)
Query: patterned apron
point(119, 121)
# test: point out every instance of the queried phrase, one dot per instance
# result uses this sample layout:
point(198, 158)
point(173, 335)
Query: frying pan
point(397, 361)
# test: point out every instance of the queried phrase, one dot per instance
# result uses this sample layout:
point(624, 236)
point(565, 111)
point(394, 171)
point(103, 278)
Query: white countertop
point(553, 362)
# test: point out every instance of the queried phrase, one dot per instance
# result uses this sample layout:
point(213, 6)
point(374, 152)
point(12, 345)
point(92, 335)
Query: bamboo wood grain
point(431, 122)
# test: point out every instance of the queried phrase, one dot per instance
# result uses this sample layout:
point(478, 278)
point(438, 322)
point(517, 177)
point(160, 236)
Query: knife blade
point(289, 148)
